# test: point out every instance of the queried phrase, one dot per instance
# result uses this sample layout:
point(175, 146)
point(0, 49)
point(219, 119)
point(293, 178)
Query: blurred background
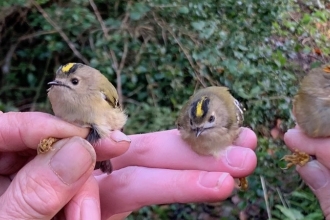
point(158, 53)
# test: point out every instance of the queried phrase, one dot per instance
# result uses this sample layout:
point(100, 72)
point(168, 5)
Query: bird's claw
point(243, 183)
point(46, 145)
point(296, 158)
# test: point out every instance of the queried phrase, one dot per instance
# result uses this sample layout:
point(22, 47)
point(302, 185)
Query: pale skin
point(62, 182)
point(315, 173)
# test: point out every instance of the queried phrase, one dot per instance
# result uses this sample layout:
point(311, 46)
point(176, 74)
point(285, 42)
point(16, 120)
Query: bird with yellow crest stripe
point(83, 96)
point(210, 121)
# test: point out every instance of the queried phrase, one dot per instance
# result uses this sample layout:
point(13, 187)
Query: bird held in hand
point(210, 121)
point(311, 109)
point(83, 96)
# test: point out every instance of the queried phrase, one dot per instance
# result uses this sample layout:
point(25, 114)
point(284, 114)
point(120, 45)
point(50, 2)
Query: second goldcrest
point(311, 109)
point(210, 120)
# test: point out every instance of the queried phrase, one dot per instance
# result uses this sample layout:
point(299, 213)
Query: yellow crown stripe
point(199, 110)
point(67, 67)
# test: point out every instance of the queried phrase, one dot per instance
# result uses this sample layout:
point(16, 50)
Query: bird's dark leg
point(105, 166)
point(92, 137)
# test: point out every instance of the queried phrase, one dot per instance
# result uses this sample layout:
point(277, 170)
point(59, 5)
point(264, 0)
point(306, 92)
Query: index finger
point(296, 139)
point(166, 149)
point(22, 130)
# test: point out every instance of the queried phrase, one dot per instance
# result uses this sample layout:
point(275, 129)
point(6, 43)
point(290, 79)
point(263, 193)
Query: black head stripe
point(200, 107)
point(69, 68)
point(72, 69)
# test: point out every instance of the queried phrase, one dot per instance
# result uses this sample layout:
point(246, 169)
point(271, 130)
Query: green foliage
point(10, 3)
point(140, 118)
point(305, 30)
point(159, 52)
point(305, 203)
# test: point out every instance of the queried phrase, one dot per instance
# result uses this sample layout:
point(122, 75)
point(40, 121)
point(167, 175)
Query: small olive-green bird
point(311, 105)
point(311, 109)
point(210, 120)
point(83, 96)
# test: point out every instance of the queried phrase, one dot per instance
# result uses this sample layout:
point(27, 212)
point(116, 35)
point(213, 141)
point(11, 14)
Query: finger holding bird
point(154, 150)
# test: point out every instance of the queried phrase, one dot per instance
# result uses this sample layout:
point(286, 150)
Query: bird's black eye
point(75, 81)
point(211, 119)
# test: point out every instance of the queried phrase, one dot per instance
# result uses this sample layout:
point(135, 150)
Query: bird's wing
point(239, 112)
point(111, 96)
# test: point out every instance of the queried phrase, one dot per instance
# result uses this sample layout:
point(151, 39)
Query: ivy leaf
point(198, 25)
point(306, 19)
point(184, 10)
point(138, 10)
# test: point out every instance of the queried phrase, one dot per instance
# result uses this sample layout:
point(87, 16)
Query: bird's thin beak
point(199, 131)
point(55, 83)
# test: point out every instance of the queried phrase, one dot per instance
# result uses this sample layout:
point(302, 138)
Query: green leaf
point(306, 19)
point(199, 25)
point(184, 10)
point(238, 54)
point(31, 79)
point(243, 48)
point(138, 10)
point(323, 15)
point(291, 214)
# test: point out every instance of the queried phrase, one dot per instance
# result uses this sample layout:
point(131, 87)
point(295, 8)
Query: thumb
point(48, 182)
point(317, 177)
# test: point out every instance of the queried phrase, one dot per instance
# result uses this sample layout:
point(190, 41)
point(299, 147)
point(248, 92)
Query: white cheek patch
point(209, 124)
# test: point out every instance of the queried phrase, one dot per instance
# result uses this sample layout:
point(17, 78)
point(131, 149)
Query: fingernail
point(119, 136)
point(72, 160)
point(235, 156)
point(90, 210)
point(212, 180)
point(314, 175)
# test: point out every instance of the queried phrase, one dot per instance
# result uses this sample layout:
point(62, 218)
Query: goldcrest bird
point(83, 96)
point(210, 121)
point(311, 104)
point(311, 109)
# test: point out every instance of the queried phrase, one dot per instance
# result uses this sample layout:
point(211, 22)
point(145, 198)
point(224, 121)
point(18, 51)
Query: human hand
point(315, 173)
point(140, 178)
point(160, 168)
point(38, 187)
